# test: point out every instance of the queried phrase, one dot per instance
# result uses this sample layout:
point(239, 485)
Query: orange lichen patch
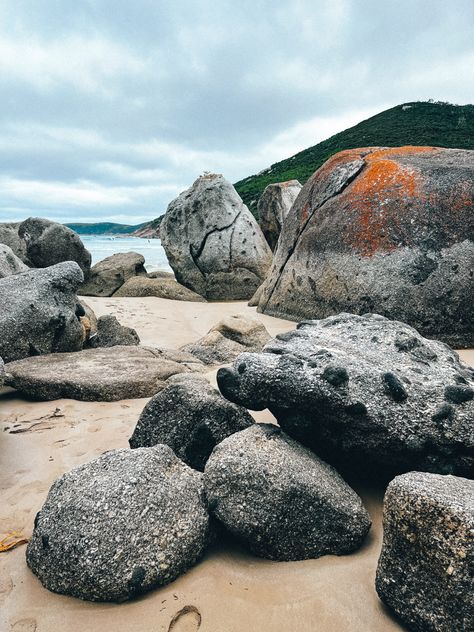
point(305, 213)
point(406, 150)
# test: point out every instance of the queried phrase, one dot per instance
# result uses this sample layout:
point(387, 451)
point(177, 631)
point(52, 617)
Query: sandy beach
point(230, 590)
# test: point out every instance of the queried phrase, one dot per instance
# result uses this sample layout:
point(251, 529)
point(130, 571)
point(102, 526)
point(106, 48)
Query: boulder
point(160, 274)
point(191, 417)
point(2, 372)
point(280, 498)
point(159, 287)
point(108, 275)
point(213, 242)
point(230, 337)
point(425, 571)
point(111, 333)
point(10, 237)
point(120, 525)
point(273, 206)
point(389, 231)
point(255, 300)
point(39, 312)
point(10, 263)
point(48, 243)
point(99, 375)
point(363, 392)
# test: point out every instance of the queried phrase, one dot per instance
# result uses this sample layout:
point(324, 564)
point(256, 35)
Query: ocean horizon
point(102, 246)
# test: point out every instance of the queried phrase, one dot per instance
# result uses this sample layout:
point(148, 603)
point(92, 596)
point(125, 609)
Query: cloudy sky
point(109, 108)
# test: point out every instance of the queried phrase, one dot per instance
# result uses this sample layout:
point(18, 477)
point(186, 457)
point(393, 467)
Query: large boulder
point(159, 287)
point(10, 237)
point(280, 498)
point(108, 275)
point(99, 375)
point(230, 337)
point(274, 205)
point(364, 391)
point(38, 312)
point(48, 243)
point(213, 243)
point(426, 569)
point(191, 417)
point(9, 262)
point(111, 333)
point(382, 230)
point(120, 525)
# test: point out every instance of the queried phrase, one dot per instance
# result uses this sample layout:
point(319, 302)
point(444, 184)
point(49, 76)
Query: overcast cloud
point(110, 108)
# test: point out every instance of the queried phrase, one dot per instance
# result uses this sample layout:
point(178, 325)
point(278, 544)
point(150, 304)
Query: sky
point(110, 108)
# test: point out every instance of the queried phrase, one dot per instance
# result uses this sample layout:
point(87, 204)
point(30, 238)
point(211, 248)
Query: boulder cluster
point(375, 257)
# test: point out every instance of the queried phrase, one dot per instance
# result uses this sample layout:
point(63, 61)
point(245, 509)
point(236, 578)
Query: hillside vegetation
point(104, 228)
point(417, 123)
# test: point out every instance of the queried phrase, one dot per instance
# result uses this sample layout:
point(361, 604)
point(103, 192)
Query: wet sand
point(229, 590)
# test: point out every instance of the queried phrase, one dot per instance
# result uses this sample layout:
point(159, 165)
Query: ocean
point(102, 246)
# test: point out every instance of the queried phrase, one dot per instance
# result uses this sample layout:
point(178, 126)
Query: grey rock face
point(99, 375)
point(9, 262)
point(274, 205)
point(160, 274)
point(280, 498)
point(228, 338)
point(159, 287)
point(10, 237)
point(108, 275)
point(38, 312)
point(425, 571)
point(48, 243)
point(2, 372)
point(120, 525)
point(191, 417)
point(384, 230)
point(213, 243)
point(364, 391)
point(111, 333)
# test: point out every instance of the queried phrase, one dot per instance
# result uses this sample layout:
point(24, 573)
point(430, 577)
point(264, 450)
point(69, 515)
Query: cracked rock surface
point(99, 375)
point(191, 417)
point(365, 392)
point(280, 498)
point(382, 230)
point(38, 312)
point(426, 568)
point(120, 525)
point(213, 243)
point(274, 205)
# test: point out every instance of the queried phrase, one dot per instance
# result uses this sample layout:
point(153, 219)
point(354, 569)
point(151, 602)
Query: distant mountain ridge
point(104, 228)
point(416, 123)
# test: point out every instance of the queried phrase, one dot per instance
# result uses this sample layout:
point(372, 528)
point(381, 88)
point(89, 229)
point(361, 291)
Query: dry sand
point(229, 591)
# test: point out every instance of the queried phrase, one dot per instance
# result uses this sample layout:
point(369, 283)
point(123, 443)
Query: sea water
point(102, 246)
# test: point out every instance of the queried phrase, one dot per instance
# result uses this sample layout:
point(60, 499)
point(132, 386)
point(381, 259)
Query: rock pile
point(159, 287)
point(213, 242)
point(108, 275)
point(364, 390)
point(382, 230)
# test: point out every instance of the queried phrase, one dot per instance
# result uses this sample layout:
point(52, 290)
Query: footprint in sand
point(188, 619)
point(24, 625)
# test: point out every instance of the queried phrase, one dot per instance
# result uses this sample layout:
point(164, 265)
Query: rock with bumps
point(274, 205)
point(213, 243)
point(40, 312)
point(385, 230)
point(48, 243)
point(120, 525)
point(10, 263)
point(111, 333)
point(99, 375)
point(160, 287)
point(364, 391)
point(191, 417)
point(280, 498)
point(228, 338)
point(425, 571)
point(108, 275)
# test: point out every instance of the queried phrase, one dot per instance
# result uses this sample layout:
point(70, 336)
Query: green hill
point(104, 228)
point(418, 123)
